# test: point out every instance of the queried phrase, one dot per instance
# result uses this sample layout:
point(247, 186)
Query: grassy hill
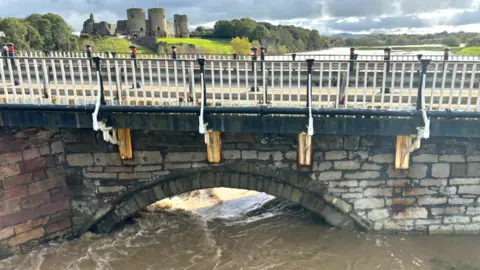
point(118, 45)
point(475, 50)
point(207, 45)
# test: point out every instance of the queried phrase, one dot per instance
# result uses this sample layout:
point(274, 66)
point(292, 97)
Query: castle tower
point(137, 26)
point(158, 22)
point(181, 26)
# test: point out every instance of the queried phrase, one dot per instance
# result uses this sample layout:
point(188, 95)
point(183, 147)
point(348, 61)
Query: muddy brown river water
point(204, 230)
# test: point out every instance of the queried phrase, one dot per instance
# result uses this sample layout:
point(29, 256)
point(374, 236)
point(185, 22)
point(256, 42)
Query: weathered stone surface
point(363, 175)
point(351, 142)
point(114, 189)
point(57, 147)
point(25, 237)
point(418, 171)
point(369, 203)
point(473, 211)
point(447, 191)
point(447, 211)
point(110, 169)
point(133, 176)
point(433, 182)
point(264, 155)
point(431, 201)
point(465, 181)
point(361, 155)
point(467, 229)
point(232, 154)
point(412, 213)
point(328, 176)
point(382, 158)
point(100, 175)
point(441, 170)
point(187, 157)
point(378, 214)
point(460, 201)
point(452, 158)
point(147, 168)
point(473, 170)
point(347, 165)
point(249, 154)
point(6, 233)
point(456, 220)
point(342, 205)
point(336, 155)
point(459, 170)
point(438, 229)
point(469, 190)
point(334, 184)
point(367, 183)
point(371, 167)
point(352, 195)
point(398, 183)
point(107, 159)
point(151, 157)
point(323, 166)
point(291, 155)
point(425, 158)
point(399, 225)
point(80, 159)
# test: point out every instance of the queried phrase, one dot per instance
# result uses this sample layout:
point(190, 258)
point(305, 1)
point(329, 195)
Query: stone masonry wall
point(440, 193)
point(34, 200)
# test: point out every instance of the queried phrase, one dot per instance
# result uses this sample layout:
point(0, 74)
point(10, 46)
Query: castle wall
point(136, 22)
point(181, 26)
point(170, 29)
point(158, 22)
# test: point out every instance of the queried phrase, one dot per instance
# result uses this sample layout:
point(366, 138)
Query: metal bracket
point(109, 133)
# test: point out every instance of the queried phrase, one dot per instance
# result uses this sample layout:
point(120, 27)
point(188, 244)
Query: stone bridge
point(64, 182)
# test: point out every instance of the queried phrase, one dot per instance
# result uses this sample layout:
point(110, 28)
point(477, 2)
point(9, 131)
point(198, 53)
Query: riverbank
point(474, 50)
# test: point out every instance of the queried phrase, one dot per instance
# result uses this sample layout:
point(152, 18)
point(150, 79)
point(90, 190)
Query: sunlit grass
point(470, 51)
point(118, 45)
point(207, 45)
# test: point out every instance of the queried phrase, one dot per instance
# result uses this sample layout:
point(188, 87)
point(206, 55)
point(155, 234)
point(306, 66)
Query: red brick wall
point(34, 199)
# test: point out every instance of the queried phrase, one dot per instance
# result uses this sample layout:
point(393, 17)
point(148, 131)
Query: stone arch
point(297, 187)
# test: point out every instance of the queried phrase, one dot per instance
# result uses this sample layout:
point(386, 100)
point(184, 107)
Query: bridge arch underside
point(290, 185)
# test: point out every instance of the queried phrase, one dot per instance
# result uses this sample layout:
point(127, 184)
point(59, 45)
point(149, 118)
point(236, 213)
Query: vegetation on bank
point(201, 45)
point(118, 45)
point(475, 50)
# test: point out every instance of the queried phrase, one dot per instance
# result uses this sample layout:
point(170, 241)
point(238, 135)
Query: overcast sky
point(327, 16)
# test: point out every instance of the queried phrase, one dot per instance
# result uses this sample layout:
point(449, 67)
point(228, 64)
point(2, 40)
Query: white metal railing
point(392, 85)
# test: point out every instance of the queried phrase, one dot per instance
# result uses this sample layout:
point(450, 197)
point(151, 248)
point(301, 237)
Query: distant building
point(137, 25)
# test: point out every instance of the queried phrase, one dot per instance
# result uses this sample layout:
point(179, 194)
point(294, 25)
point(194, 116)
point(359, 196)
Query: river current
point(237, 229)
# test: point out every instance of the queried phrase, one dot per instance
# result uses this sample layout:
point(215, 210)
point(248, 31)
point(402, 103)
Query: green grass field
point(207, 45)
point(118, 45)
point(470, 51)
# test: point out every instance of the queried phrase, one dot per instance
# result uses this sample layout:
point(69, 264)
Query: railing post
point(446, 53)
point(309, 83)
point(99, 71)
point(234, 56)
point(352, 58)
point(387, 54)
point(263, 50)
point(423, 74)
point(203, 101)
point(133, 54)
point(294, 55)
point(88, 49)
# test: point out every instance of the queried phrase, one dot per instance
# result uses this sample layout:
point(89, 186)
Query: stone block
point(371, 167)
point(57, 147)
point(382, 158)
point(296, 195)
point(148, 157)
point(110, 169)
point(231, 154)
point(423, 222)
point(114, 189)
point(277, 156)
point(93, 169)
point(58, 226)
point(378, 214)
point(456, 220)
point(447, 190)
point(438, 229)
point(452, 158)
point(398, 183)
point(473, 211)
point(134, 176)
point(6, 233)
point(329, 176)
point(378, 192)
point(291, 155)
point(412, 213)
point(10, 158)
point(27, 236)
point(369, 203)
point(447, 211)
point(100, 175)
point(473, 170)
point(475, 190)
point(363, 175)
point(342, 205)
point(29, 154)
point(347, 165)
point(34, 200)
point(335, 184)
point(351, 142)
point(459, 170)
point(418, 171)
point(336, 155)
point(460, 201)
point(24, 227)
point(322, 166)
point(17, 180)
point(465, 181)
point(398, 225)
point(44, 150)
point(178, 166)
point(352, 195)
point(431, 201)
point(467, 229)
point(361, 155)
point(367, 183)
point(264, 155)
point(474, 158)
point(13, 193)
point(441, 170)
point(80, 160)
point(326, 143)
point(425, 158)
point(249, 154)
point(147, 168)
point(107, 159)
point(433, 182)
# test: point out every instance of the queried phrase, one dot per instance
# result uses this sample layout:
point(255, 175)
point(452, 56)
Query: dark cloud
point(467, 17)
point(367, 24)
point(415, 6)
point(359, 8)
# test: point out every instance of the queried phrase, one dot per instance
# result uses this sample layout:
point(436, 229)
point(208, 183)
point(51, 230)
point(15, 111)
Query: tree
point(257, 44)
point(261, 32)
point(450, 41)
point(200, 31)
point(223, 29)
point(241, 45)
point(33, 38)
point(244, 27)
point(15, 32)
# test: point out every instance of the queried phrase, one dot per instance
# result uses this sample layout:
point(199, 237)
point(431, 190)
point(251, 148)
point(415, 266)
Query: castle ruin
point(137, 25)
